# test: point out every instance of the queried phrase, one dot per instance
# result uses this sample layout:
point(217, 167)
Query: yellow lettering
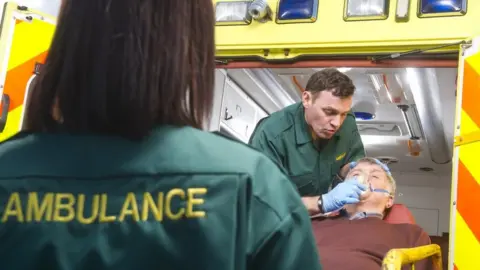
point(130, 208)
point(168, 204)
point(195, 201)
point(13, 208)
point(149, 203)
point(81, 209)
point(103, 210)
point(38, 211)
point(67, 206)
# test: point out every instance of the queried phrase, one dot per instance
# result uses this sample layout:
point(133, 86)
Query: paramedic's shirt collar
point(302, 130)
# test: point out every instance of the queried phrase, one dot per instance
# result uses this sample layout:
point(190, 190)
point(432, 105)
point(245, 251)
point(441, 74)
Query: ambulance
point(416, 67)
point(27, 27)
point(415, 63)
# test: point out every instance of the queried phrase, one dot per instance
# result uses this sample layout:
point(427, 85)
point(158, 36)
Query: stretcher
point(395, 259)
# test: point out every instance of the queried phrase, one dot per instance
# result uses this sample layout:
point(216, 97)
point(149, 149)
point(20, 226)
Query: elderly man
point(359, 238)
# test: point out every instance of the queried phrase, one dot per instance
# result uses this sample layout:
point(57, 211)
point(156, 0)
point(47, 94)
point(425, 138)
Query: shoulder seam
point(282, 170)
point(260, 200)
point(281, 221)
point(280, 132)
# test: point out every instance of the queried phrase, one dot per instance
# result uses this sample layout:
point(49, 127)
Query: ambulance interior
point(405, 117)
point(412, 113)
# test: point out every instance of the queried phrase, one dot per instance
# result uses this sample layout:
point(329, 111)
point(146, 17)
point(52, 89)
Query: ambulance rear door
point(24, 41)
point(464, 222)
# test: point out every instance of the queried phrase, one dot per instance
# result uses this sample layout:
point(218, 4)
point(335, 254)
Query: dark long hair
point(123, 67)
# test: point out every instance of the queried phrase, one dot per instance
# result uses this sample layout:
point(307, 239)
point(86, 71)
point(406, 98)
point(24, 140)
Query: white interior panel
point(427, 219)
point(239, 112)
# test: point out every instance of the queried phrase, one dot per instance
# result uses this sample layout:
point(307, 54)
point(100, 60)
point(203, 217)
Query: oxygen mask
point(363, 178)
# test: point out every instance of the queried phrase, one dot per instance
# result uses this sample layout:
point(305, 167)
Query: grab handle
point(5, 108)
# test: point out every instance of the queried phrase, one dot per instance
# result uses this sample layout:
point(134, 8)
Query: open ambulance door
point(24, 41)
point(464, 222)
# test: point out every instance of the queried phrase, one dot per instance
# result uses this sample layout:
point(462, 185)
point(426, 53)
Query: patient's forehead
point(367, 168)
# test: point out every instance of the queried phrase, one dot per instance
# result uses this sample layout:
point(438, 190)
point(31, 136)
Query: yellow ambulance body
point(24, 41)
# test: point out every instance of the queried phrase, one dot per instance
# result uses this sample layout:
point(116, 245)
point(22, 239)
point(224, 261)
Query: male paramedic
point(315, 140)
point(360, 238)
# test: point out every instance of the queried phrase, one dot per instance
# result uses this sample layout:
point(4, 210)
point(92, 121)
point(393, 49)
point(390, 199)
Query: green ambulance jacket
point(285, 137)
point(181, 199)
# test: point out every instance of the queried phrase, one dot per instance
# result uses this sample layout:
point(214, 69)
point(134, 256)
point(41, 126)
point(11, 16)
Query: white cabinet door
point(220, 77)
point(238, 111)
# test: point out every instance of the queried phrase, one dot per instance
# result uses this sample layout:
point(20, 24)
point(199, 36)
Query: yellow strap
point(467, 138)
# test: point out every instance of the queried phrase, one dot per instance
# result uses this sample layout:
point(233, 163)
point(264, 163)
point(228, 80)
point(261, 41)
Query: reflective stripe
point(467, 225)
point(29, 45)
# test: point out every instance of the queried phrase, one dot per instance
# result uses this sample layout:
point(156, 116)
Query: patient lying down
point(359, 238)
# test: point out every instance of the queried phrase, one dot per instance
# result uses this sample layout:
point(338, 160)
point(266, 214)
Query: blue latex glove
point(352, 165)
point(347, 192)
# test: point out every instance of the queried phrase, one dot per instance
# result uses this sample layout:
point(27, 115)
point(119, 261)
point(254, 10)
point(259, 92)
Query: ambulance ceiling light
point(232, 13)
point(341, 69)
point(344, 69)
point(294, 11)
point(364, 115)
point(364, 110)
point(363, 10)
point(443, 6)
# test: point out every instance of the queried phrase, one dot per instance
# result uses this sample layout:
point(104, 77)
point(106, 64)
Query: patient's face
point(376, 178)
point(375, 175)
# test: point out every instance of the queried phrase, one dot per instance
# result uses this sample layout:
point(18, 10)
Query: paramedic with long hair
point(113, 170)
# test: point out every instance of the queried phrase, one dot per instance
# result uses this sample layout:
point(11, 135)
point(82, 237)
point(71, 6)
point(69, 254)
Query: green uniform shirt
point(285, 137)
point(181, 199)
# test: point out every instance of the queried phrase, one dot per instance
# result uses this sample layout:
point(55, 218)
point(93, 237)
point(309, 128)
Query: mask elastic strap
point(383, 165)
point(379, 190)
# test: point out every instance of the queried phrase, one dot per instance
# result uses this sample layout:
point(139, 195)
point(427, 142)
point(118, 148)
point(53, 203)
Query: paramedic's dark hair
point(331, 79)
point(124, 67)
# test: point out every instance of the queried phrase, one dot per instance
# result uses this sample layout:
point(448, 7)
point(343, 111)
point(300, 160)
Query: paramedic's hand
point(311, 203)
point(347, 192)
point(346, 168)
